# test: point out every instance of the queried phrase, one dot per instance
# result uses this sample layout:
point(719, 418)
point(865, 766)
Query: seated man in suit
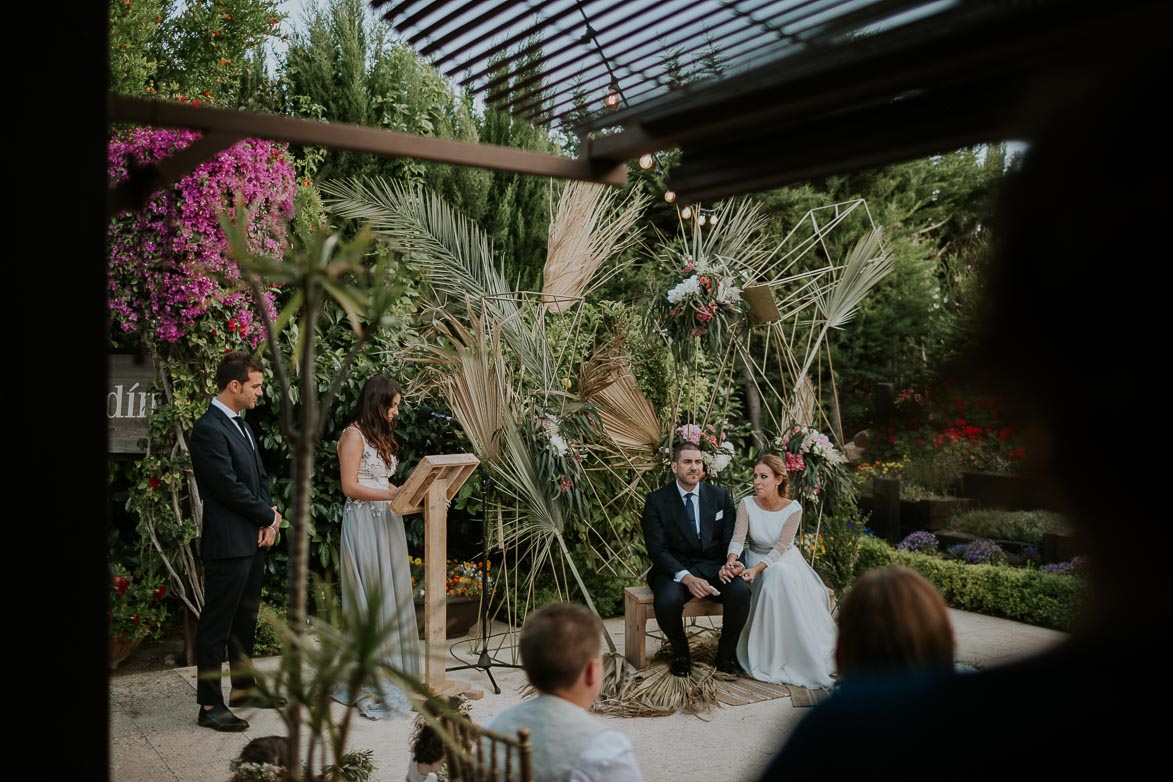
point(687, 526)
point(561, 652)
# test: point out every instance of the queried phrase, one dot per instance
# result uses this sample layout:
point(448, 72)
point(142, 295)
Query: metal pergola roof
point(760, 93)
point(754, 93)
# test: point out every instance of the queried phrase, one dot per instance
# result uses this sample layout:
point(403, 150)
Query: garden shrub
point(1023, 594)
point(1027, 526)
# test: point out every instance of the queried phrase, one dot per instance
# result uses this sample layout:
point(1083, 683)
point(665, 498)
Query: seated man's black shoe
point(681, 666)
point(251, 699)
point(221, 719)
point(729, 667)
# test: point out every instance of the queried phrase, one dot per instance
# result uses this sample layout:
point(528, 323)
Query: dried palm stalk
point(590, 226)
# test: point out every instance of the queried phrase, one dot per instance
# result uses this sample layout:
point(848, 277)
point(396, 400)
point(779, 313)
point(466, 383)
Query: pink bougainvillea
point(163, 257)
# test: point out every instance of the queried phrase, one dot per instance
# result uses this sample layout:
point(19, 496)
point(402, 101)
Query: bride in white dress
point(790, 635)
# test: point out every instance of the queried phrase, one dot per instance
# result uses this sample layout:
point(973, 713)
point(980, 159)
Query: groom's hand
point(697, 587)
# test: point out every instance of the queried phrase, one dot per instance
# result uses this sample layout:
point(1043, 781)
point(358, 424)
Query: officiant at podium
point(374, 558)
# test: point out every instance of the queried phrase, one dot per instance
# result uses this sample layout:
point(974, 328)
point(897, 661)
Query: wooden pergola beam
point(229, 123)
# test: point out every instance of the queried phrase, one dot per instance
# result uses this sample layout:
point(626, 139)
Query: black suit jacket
point(233, 485)
point(671, 540)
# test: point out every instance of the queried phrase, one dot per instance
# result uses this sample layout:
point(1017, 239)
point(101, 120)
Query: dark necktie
point(244, 431)
point(691, 514)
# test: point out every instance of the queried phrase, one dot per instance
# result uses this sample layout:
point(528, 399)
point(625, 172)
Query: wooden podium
point(430, 487)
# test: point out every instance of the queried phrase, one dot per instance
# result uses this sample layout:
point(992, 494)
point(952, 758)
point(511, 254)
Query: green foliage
point(841, 531)
point(137, 606)
point(342, 66)
point(1027, 526)
point(1022, 594)
point(196, 51)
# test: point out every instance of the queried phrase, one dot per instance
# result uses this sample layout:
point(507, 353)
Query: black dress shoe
point(681, 666)
point(730, 667)
point(251, 699)
point(221, 719)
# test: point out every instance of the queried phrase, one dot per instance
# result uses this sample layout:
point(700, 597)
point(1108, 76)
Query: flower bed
point(1026, 595)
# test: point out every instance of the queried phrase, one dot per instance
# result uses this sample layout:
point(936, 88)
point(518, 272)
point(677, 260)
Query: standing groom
point(240, 521)
point(687, 527)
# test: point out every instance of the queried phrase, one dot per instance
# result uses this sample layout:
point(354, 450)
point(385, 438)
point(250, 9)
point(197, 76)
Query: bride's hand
point(749, 574)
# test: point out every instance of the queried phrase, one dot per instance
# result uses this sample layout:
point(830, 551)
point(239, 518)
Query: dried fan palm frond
point(628, 418)
point(467, 373)
point(590, 226)
point(866, 265)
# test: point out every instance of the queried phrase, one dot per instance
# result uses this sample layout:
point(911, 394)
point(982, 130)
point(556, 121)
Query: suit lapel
point(679, 514)
point(240, 437)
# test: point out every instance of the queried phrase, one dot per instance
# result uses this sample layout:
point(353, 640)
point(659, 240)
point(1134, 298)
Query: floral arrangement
point(812, 546)
point(135, 609)
point(817, 469)
point(716, 452)
point(921, 541)
point(701, 298)
point(464, 579)
point(559, 451)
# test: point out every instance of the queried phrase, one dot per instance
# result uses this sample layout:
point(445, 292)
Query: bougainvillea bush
point(172, 291)
point(163, 257)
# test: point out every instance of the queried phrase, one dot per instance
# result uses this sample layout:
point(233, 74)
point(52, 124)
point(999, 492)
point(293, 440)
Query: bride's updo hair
point(778, 467)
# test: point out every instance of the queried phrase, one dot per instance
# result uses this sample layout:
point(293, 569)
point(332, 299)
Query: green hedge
point(1027, 526)
point(1022, 594)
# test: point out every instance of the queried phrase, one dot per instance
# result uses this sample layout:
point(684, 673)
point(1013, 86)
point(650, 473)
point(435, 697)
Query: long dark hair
point(370, 413)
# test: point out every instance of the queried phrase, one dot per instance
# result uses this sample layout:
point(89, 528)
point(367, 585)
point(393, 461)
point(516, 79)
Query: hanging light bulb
point(646, 160)
point(612, 99)
point(669, 195)
point(700, 218)
point(686, 213)
point(713, 219)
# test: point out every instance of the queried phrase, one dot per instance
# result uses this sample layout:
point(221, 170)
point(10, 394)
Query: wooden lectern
point(430, 487)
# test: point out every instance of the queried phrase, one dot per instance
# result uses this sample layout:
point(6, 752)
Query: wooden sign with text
point(128, 400)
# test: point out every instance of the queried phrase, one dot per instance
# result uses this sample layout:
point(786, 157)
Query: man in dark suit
point(240, 521)
point(687, 527)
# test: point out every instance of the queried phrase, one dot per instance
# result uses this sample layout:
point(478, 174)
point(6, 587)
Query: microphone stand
point(484, 661)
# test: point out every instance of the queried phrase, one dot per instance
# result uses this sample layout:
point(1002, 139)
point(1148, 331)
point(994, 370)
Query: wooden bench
point(638, 609)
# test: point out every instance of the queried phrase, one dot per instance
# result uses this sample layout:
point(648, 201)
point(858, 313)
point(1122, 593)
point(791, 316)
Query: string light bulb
point(713, 219)
point(669, 195)
point(700, 218)
point(646, 160)
point(686, 213)
point(612, 99)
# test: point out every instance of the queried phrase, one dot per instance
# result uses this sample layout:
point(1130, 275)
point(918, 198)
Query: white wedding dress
point(790, 635)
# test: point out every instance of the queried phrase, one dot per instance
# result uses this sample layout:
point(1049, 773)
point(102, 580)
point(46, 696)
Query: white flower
point(720, 462)
point(558, 444)
point(728, 447)
point(690, 287)
point(727, 292)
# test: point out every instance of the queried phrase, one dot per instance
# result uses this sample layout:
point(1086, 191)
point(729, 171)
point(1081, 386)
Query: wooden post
point(435, 589)
point(430, 487)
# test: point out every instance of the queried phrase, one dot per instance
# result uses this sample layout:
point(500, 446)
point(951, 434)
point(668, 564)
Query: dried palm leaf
point(590, 226)
point(866, 265)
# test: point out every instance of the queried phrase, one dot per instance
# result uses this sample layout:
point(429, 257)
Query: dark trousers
point(232, 598)
point(669, 597)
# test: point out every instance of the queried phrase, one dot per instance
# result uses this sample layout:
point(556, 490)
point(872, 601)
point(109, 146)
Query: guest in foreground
point(893, 621)
point(561, 652)
point(240, 521)
point(687, 527)
point(790, 635)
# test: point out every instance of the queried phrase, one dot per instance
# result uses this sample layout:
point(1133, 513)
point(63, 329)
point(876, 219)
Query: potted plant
point(464, 583)
point(135, 611)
